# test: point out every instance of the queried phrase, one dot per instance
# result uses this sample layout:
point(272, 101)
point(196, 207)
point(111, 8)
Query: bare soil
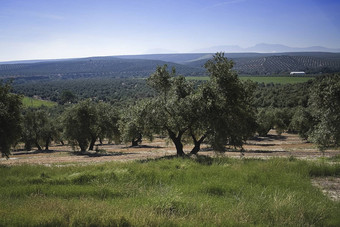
point(330, 186)
point(285, 145)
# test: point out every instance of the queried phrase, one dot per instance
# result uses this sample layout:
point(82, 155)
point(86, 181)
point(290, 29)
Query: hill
point(90, 67)
point(128, 66)
point(261, 64)
point(265, 48)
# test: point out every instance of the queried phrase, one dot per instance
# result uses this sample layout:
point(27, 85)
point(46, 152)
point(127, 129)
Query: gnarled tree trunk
point(177, 140)
point(93, 141)
point(197, 144)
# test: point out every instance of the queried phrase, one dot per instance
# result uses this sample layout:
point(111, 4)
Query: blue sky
point(42, 29)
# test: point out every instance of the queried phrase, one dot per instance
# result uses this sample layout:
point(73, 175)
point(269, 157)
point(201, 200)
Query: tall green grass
point(168, 192)
point(32, 102)
point(266, 79)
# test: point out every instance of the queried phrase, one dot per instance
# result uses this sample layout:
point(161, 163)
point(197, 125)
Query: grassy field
point(167, 192)
point(266, 79)
point(32, 102)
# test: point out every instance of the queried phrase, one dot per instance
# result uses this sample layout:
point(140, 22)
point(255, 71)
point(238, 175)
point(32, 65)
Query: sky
point(51, 29)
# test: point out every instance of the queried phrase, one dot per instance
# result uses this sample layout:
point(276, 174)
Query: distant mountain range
point(190, 64)
point(265, 48)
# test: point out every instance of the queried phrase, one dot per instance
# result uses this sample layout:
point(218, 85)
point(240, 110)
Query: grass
point(168, 192)
point(32, 102)
point(266, 79)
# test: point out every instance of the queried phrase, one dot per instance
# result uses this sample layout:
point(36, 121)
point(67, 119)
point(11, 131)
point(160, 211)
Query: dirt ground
point(273, 145)
point(286, 145)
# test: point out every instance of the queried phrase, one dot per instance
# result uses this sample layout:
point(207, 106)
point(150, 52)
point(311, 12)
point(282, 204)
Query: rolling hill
point(186, 64)
point(284, 63)
point(91, 67)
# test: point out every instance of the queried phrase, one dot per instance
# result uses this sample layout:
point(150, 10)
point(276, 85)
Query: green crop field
point(32, 102)
point(266, 79)
point(169, 192)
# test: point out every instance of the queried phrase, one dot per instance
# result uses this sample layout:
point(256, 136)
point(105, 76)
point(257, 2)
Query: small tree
point(80, 124)
point(108, 126)
point(170, 111)
point(231, 115)
point(67, 97)
point(37, 129)
point(134, 124)
point(302, 122)
point(10, 119)
point(264, 121)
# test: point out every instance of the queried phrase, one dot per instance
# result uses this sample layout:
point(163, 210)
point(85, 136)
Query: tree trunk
point(136, 141)
point(179, 146)
point(100, 141)
point(47, 142)
point(46, 145)
point(177, 140)
point(93, 141)
point(82, 148)
point(28, 145)
point(197, 144)
point(62, 142)
point(83, 145)
point(38, 146)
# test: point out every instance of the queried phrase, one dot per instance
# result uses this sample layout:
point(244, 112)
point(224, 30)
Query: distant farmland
point(266, 79)
point(32, 102)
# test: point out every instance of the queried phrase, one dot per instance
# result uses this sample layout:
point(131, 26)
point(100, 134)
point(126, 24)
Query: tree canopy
point(10, 119)
point(325, 107)
point(218, 112)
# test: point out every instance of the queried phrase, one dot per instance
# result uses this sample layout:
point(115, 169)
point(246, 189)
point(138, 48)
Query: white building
point(297, 73)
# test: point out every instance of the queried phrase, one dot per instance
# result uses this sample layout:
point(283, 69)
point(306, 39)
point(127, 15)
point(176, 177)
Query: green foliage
point(302, 122)
point(114, 90)
point(39, 129)
point(231, 114)
point(134, 124)
point(10, 118)
point(264, 120)
point(219, 110)
point(87, 121)
point(325, 106)
point(67, 97)
point(80, 124)
point(180, 192)
point(282, 96)
point(107, 122)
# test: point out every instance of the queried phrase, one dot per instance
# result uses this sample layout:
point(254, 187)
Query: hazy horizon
point(48, 29)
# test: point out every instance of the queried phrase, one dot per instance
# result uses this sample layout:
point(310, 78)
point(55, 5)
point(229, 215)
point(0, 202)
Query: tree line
point(219, 112)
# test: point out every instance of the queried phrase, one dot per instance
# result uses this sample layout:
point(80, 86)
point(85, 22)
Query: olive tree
point(80, 124)
point(134, 124)
point(10, 119)
point(325, 106)
point(107, 124)
point(218, 112)
point(87, 121)
point(230, 114)
point(39, 129)
point(170, 111)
